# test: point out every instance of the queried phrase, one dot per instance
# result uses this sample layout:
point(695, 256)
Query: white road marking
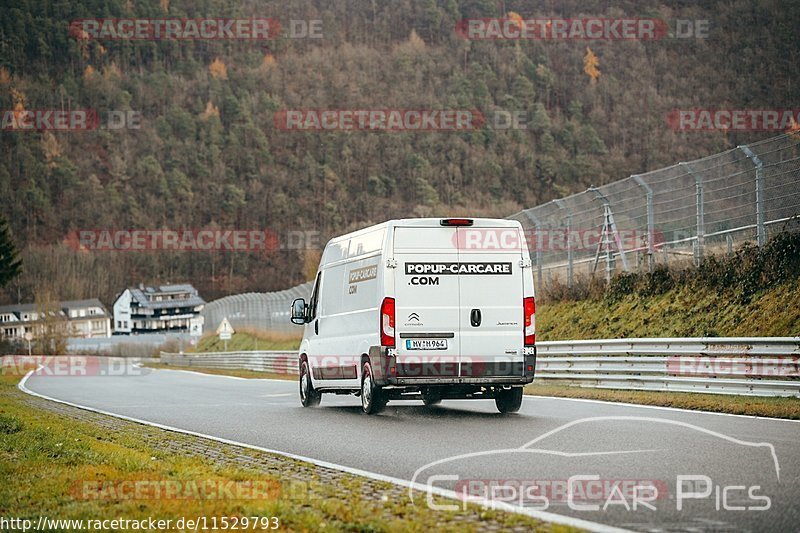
point(663, 408)
point(223, 375)
point(539, 515)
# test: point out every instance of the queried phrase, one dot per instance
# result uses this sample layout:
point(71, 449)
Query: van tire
point(431, 398)
point(508, 400)
point(309, 397)
point(373, 399)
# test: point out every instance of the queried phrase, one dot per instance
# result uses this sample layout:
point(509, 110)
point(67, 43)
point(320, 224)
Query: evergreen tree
point(10, 264)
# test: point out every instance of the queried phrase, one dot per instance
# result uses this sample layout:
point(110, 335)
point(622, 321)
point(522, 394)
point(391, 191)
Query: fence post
point(699, 252)
point(609, 229)
point(650, 221)
point(570, 263)
point(538, 225)
point(761, 229)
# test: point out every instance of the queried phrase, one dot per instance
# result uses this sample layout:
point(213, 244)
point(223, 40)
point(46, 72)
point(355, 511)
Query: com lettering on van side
point(438, 269)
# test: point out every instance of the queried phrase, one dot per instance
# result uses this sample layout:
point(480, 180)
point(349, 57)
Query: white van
point(426, 309)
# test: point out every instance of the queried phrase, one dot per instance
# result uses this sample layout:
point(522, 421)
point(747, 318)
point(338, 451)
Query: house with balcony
point(158, 310)
point(81, 318)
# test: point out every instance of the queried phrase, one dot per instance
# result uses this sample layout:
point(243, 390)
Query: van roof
point(430, 223)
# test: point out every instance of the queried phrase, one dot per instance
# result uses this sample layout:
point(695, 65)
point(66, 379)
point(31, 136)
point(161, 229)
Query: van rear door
point(491, 294)
point(426, 302)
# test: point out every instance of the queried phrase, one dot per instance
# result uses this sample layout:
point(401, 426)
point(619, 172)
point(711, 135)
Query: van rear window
point(425, 238)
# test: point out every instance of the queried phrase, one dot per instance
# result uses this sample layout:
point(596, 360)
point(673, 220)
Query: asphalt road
point(624, 446)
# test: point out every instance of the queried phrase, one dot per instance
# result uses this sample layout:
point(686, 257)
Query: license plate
point(426, 344)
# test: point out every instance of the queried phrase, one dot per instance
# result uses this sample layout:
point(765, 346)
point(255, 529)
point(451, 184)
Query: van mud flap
point(383, 366)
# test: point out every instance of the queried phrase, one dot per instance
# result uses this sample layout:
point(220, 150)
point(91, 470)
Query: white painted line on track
point(664, 408)
point(539, 515)
point(196, 373)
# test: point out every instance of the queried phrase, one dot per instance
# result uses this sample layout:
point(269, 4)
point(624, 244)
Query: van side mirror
point(299, 311)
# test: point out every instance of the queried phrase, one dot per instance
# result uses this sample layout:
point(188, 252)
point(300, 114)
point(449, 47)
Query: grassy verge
point(719, 403)
point(679, 312)
point(249, 340)
point(47, 461)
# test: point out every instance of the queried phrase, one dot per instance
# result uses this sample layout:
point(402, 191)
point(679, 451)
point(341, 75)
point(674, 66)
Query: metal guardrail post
point(538, 225)
point(570, 258)
point(651, 260)
point(761, 229)
point(700, 210)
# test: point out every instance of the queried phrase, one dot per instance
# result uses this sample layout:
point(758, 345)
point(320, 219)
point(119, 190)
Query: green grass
point(680, 312)
point(46, 458)
point(248, 340)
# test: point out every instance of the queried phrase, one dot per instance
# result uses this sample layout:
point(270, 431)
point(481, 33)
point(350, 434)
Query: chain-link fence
point(676, 214)
point(682, 212)
point(256, 310)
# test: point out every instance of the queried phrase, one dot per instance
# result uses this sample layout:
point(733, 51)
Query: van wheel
point(509, 400)
point(430, 397)
point(308, 396)
point(373, 399)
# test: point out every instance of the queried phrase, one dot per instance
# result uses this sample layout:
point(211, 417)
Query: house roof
point(17, 308)
point(64, 306)
point(83, 304)
point(142, 296)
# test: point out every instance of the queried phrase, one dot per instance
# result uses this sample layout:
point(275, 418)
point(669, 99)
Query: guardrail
point(753, 366)
point(275, 362)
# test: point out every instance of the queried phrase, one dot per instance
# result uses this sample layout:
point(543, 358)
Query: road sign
point(196, 326)
point(225, 330)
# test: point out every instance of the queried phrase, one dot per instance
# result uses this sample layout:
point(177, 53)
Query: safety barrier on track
point(755, 366)
point(275, 362)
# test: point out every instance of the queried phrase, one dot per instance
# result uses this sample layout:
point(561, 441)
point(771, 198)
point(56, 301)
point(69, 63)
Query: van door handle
point(316, 326)
point(475, 317)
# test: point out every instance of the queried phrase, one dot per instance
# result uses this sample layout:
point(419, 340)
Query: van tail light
point(387, 322)
point(529, 309)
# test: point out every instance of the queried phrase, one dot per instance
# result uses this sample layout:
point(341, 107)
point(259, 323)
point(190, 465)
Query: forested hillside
point(208, 153)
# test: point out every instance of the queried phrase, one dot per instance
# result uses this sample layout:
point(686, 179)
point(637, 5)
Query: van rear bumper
point(508, 380)
point(388, 372)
